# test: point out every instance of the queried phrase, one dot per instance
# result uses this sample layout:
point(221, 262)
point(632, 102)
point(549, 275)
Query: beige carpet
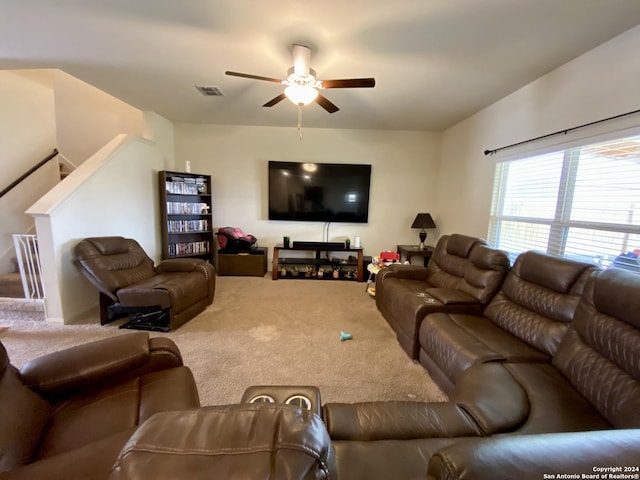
point(260, 331)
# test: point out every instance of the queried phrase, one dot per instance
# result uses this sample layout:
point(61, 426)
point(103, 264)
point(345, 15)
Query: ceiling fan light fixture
point(301, 94)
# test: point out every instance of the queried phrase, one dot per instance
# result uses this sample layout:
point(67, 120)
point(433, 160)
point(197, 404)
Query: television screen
point(319, 192)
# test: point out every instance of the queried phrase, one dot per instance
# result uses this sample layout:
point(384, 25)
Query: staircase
point(15, 303)
point(11, 283)
point(21, 309)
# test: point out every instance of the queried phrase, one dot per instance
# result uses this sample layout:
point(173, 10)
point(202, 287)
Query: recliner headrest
point(616, 294)
point(556, 273)
point(109, 245)
point(487, 258)
point(460, 245)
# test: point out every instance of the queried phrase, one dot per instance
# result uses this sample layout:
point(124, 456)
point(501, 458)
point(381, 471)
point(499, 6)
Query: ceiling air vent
point(209, 90)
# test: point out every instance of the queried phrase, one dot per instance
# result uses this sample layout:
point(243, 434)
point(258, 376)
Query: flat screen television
point(319, 192)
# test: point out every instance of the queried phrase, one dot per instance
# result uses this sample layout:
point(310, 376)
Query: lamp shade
point(301, 94)
point(423, 220)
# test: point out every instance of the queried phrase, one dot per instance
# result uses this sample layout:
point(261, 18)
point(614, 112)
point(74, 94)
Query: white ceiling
point(435, 61)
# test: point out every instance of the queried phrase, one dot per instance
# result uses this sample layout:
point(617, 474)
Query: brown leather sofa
point(590, 384)
point(462, 276)
point(524, 322)
point(157, 298)
point(67, 415)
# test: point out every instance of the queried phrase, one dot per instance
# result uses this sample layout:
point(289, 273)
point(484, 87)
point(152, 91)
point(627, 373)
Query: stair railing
point(28, 257)
point(26, 174)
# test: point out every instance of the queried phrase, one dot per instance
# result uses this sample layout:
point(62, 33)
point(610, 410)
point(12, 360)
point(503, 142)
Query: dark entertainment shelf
point(318, 268)
point(186, 222)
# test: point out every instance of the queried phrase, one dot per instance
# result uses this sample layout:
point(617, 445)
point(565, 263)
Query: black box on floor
point(251, 262)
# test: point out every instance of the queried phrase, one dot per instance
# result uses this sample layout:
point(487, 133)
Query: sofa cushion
point(387, 459)
point(533, 457)
point(109, 410)
point(615, 293)
point(455, 342)
point(554, 273)
point(406, 305)
point(533, 304)
point(461, 245)
point(601, 354)
point(556, 406)
point(449, 260)
point(112, 263)
point(485, 272)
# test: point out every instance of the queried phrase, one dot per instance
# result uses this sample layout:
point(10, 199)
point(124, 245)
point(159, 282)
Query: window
point(582, 203)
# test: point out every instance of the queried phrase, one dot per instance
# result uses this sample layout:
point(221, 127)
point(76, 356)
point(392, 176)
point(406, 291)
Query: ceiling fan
point(302, 85)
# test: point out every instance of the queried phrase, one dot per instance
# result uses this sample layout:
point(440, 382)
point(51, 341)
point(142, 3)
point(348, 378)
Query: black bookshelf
point(186, 215)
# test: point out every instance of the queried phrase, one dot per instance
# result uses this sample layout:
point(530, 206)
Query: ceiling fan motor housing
point(301, 60)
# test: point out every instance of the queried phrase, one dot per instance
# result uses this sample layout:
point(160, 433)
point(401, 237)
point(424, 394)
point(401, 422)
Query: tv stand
point(318, 268)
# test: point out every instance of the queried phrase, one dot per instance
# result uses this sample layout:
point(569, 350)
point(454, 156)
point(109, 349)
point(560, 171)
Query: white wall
point(87, 118)
point(599, 84)
point(27, 136)
point(115, 192)
point(403, 183)
point(160, 131)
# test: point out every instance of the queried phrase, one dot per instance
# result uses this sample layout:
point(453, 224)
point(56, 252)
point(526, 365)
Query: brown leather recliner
point(69, 413)
point(462, 276)
point(128, 281)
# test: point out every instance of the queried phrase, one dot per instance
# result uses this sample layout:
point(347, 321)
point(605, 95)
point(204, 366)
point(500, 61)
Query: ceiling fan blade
point(350, 83)
point(275, 100)
point(326, 104)
point(254, 77)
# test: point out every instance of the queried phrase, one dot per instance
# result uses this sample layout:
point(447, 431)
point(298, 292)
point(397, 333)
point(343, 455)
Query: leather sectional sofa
point(556, 351)
point(545, 379)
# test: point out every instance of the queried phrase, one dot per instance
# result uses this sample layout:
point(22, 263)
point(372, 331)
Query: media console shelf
point(310, 268)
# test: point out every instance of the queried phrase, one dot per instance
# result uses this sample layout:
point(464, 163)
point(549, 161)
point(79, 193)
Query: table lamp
point(422, 221)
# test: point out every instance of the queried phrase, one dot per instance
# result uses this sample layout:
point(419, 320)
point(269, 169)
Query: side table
point(408, 251)
point(251, 262)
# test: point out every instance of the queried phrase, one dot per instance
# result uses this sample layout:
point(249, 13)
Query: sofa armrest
point(243, 441)
point(529, 457)
point(409, 272)
point(492, 397)
point(191, 265)
point(396, 421)
point(77, 367)
point(179, 265)
point(451, 296)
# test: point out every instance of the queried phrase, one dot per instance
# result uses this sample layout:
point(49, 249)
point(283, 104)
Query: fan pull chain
point(300, 121)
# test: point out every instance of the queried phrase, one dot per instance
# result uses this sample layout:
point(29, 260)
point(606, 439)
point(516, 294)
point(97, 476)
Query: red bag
point(233, 238)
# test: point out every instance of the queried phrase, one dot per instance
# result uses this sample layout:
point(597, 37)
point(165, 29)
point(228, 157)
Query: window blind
point(582, 203)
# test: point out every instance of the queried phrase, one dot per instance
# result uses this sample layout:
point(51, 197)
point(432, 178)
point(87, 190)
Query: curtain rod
point(559, 132)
